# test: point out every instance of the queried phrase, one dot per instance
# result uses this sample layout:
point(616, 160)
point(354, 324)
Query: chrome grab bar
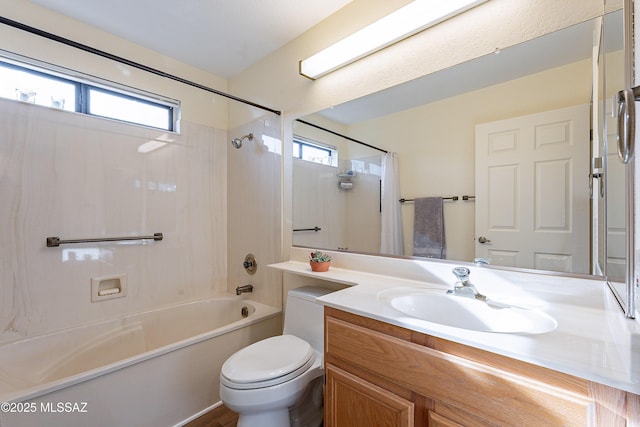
point(316, 228)
point(53, 242)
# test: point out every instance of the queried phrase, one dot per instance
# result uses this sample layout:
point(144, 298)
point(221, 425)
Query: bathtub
point(157, 368)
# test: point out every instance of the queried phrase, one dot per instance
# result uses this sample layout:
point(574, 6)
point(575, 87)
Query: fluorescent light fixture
point(404, 22)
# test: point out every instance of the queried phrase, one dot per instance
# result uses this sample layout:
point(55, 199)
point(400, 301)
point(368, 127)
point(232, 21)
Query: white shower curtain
point(391, 241)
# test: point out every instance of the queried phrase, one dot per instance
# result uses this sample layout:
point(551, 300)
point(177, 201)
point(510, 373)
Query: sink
point(436, 306)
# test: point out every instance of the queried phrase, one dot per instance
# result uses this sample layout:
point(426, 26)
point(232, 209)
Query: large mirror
point(452, 139)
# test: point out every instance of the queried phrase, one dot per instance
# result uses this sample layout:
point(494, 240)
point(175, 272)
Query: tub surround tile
point(74, 176)
point(254, 208)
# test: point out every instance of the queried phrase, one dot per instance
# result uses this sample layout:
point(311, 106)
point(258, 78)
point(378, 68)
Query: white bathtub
point(157, 368)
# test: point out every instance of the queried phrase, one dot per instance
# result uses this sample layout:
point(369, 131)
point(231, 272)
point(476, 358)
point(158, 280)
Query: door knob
point(483, 239)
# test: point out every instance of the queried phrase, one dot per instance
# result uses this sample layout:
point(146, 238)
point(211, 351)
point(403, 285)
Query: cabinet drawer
point(492, 394)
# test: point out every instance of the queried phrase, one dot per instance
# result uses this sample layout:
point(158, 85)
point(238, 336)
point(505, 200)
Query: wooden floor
point(219, 417)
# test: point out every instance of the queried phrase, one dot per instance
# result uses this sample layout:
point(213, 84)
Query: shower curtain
point(391, 241)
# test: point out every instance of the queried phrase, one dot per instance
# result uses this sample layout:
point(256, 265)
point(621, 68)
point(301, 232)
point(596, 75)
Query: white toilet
point(277, 382)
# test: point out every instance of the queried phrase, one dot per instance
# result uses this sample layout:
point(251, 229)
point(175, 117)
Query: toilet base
point(277, 418)
point(302, 396)
point(307, 412)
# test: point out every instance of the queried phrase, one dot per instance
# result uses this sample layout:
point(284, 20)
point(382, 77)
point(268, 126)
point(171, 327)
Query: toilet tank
point(304, 317)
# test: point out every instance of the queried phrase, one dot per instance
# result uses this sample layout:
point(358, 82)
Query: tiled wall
point(348, 219)
point(254, 208)
point(317, 201)
point(67, 175)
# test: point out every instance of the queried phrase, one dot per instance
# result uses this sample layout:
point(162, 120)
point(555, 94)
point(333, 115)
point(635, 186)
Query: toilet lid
point(267, 361)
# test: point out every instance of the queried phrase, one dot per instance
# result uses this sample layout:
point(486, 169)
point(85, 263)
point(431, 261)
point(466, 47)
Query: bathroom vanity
point(386, 368)
point(383, 375)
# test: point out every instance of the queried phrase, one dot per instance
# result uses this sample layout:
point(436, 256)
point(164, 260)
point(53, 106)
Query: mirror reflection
point(497, 158)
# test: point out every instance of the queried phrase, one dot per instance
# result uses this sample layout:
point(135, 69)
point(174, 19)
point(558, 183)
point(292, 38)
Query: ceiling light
point(404, 22)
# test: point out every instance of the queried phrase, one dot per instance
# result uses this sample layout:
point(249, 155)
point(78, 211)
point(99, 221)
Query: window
point(51, 88)
point(315, 152)
point(117, 106)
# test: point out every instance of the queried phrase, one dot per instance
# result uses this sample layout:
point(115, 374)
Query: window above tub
point(56, 87)
point(314, 151)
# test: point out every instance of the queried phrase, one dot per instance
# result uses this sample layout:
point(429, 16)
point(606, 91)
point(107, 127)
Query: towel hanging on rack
point(428, 228)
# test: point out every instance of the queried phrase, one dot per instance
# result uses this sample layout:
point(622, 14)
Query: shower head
point(237, 142)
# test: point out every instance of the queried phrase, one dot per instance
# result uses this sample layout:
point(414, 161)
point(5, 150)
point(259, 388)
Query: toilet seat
point(268, 362)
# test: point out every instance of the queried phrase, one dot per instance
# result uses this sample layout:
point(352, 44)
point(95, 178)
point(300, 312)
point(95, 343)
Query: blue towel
point(428, 228)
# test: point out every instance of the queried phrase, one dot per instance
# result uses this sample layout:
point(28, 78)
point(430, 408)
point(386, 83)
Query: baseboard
point(199, 414)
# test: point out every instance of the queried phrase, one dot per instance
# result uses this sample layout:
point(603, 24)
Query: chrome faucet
point(463, 287)
point(242, 289)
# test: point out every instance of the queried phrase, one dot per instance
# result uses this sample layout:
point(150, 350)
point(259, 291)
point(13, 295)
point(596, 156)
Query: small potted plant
point(319, 261)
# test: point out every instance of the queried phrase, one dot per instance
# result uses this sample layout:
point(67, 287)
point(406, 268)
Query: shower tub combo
point(157, 368)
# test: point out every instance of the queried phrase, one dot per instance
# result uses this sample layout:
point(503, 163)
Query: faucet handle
point(462, 273)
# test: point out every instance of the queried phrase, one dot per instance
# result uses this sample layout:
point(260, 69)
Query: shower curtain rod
point(340, 135)
point(102, 53)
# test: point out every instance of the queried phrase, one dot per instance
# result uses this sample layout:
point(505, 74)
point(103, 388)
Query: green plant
point(317, 256)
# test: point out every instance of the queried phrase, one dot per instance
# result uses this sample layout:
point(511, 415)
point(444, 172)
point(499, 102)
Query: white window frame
point(333, 151)
point(86, 82)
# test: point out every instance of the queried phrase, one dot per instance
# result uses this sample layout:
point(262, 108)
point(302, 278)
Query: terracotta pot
point(319, 266)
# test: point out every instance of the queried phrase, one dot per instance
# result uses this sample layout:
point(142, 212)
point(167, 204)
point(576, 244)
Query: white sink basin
point(435, 305)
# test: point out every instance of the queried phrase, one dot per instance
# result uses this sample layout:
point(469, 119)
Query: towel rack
point(468, 197)
point(316, 228)
point(53, 242)
point(454, 198)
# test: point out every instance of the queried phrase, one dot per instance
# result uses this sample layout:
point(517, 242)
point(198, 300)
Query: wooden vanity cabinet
point(382, 375)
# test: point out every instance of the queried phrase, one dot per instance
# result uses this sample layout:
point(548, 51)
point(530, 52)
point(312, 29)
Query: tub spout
point(242, 289)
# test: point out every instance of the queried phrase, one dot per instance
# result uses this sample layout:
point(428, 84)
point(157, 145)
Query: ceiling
point(223, 37)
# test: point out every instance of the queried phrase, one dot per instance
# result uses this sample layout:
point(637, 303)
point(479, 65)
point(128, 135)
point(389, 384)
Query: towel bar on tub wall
point(53, 242)
point(316, 228)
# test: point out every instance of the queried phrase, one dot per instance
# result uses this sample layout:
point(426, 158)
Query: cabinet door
point(436, 420)
point(353, 402)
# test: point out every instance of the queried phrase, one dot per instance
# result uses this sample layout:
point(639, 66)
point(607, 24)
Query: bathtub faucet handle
point(250, 264)
point(242, 289)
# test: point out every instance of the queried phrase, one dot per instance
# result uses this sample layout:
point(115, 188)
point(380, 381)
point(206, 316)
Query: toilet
point(277, 382)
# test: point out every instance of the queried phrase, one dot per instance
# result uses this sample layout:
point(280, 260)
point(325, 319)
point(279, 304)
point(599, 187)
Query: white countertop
point(593, 339)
